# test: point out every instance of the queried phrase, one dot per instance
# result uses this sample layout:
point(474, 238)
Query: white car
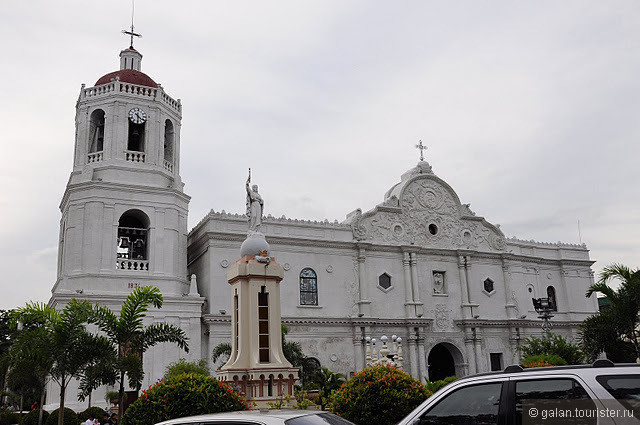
point(598, 394)
point(263, 417)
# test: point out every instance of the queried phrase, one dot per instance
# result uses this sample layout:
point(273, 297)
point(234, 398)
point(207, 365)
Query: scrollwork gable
point(425, 211)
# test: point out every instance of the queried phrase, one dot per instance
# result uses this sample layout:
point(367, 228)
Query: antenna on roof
point(132, 33)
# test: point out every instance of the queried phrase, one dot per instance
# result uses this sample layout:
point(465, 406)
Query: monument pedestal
point(257, 366)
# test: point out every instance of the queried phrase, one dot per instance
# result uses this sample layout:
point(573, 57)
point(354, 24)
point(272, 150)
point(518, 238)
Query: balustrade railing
point(133, 265)
point(134, 156)
point(168, 165)
point(118, 86)
point(94, 157)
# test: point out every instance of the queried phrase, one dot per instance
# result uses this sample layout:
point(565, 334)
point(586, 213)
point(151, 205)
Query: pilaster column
point(413, 354)
point(364, 307)
point(514, 342)
point(565, 296)
point(477, 350)
point(413, 263)
point(408, 291)
point(469, 348)
point(422, 359)
point(357, 350)
point(464, 287)
point(508, 302)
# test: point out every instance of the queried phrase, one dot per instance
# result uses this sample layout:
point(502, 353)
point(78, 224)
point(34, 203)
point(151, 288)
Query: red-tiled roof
point(128, 76)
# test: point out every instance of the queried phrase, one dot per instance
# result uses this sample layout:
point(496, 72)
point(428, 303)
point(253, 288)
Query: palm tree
point(130, 338)
point(61, 337)
point(621, 321)
point(327, 381)
point(29, 362)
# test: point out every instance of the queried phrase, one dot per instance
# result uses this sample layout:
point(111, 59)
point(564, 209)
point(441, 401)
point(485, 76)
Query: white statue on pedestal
point(255, 206)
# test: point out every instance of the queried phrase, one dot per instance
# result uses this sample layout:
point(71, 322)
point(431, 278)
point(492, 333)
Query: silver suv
point(601, 393)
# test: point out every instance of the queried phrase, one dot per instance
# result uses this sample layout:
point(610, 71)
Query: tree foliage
point(130, 338)
point(552, 345)
point(543, 360)
point(326, 382)
point(380, 395)
point(182, 366)
point(61, 337)
point(183, 395)
point(615, 329)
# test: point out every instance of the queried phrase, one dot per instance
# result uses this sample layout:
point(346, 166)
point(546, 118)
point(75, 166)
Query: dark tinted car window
point(625, 389)
point(472, 405)
point(550, 398)
point(321, 419)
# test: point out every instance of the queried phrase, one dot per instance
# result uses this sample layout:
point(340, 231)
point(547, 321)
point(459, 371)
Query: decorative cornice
point(484, 323)
point(333, 321)
point(531, 243)
point(269, 219)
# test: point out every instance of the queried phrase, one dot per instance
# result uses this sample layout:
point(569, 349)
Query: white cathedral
point(420, 265)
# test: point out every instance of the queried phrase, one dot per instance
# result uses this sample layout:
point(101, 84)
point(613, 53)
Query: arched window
point(135, 142)
point(96, 131)
point(308, 287)
point(551, 294)
point(168, 141)
point(132, 249)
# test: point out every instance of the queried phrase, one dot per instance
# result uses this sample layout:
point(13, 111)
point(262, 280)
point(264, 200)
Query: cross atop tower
point(422, 149)
point(132, 33)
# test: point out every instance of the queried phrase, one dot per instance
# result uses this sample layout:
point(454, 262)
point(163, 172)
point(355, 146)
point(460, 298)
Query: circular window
point(433, 229)
point(530, 289)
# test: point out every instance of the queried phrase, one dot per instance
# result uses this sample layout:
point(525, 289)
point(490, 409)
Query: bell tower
point(124, 212)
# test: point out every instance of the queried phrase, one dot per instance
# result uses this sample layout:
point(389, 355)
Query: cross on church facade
point(422, 149)
point(132, 33)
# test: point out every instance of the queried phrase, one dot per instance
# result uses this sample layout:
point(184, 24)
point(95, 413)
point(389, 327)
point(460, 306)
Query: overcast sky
point(530, 110)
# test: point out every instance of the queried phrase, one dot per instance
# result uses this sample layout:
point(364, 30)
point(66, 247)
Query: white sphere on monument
point(254, 245)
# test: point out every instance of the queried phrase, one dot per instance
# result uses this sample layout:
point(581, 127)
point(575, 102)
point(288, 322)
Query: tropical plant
point(62, 337)
point(33, 417)
point(130, 338)
point(9, 418)
point(292, 350)
point(327, 382)
point(101, 371)
point(69, 417)
point(543, 360)
point(434, 386)
point(199, 367)
point(380, 395)
point(183, 395)
point(553, 344)
point(7, 333)
point(92, 412)
point(222, 352)
point(620, 322)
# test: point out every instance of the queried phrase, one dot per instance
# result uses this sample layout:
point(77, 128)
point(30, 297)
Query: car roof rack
point(513, 368)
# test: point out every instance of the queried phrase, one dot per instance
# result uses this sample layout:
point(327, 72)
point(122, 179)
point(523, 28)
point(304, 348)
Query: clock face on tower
point(137, 116)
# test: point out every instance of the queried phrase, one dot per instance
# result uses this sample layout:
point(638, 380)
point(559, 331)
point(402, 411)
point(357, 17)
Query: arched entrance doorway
point(444, 360)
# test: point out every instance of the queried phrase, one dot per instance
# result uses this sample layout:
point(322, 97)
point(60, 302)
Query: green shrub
point(552, 344)
point(378, 395)
point(182, 366)
point(183, 395)
point(543, 360)
point(95, 411)
point(8, 417)
point(69, 417)
point(31, 418)
point(436, 385)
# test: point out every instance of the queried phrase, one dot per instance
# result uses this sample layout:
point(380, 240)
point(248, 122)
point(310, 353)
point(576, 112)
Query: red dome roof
point(128, 76)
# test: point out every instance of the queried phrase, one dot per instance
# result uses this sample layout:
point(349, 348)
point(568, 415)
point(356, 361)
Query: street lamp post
point(544, 307)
